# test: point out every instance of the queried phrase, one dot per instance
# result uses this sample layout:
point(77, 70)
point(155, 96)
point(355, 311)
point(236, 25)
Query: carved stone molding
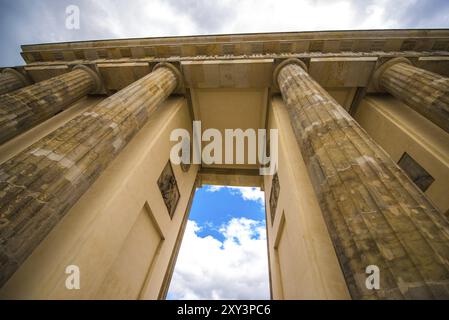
point(273, 44)
point(169, 188)
point(274, 196)
point(185, 167)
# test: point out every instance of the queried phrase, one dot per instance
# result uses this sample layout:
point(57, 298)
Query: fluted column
point(426, 92)
point(29, 106)
point(11, 80)
point(39, 185)
point(374, 213)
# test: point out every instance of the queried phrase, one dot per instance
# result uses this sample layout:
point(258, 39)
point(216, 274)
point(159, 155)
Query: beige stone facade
point(363, 168)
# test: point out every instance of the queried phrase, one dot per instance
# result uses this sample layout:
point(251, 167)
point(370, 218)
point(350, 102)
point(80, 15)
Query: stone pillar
point(40, 184)
point(374, 213)
point(11, 80)
point(27, 107)
point(426, 92)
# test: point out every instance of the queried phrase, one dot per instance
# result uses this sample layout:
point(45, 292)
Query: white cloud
point(257, 16)
point(251, 194)
point(236, 268)
point(213, 188)
point(247, 193)
point(140, 18)
point(44, 20)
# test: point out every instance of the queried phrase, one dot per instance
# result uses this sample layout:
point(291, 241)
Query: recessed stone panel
point(439, 65)
point(117, 76)
point(416, 172)
point(342, 72)
point(228, 73)
point(46, 72)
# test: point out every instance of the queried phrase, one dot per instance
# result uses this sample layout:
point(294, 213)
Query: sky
point(41, 21)
point(223, 253)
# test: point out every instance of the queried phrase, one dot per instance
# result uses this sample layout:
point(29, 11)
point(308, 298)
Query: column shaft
point(43, 182)
point(27, 107)
point(11, 80)
point(375, 214)
point(426, 92)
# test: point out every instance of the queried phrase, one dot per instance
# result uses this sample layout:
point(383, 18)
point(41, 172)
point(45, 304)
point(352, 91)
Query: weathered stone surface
point(185, 167)
point(375, 214)
point(11, 80)
point(426, 92)
point(169, 189)
point(274, 196)
point(39, 185)
point(27, 107)
point(267, 44)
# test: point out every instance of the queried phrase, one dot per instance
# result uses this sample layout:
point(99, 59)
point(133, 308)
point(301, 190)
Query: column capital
point(384, 66)
point(285, 63)
point(18, 75)
point(95, 77)
point(179, 77)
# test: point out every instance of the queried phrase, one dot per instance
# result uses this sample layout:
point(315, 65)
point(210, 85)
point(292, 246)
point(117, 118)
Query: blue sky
point(224, 251)
point(215, 206)
point(26, 22)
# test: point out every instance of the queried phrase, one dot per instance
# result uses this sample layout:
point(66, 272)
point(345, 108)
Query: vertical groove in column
point(43, 182)
point(375, 214)
point(27, 107)
point(426, 92)
point(10, 82)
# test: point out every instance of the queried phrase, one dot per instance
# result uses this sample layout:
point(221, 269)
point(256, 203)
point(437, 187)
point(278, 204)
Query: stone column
point(11, 80)
point(374, 213)
point(39, 185)
point(27, 107)
point(426, 92)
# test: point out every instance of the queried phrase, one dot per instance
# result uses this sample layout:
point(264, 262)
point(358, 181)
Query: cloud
point(246, 193)
point(236, 268)
point(251, 194)
point(212, 188)
point(24, 21)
